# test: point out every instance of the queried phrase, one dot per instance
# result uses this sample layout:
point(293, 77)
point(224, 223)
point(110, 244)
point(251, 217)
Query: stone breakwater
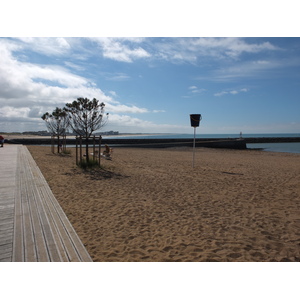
point(166, 143)
point(146, 143)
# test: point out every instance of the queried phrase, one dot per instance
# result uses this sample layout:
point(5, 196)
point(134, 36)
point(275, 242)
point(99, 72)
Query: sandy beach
point(151, 205)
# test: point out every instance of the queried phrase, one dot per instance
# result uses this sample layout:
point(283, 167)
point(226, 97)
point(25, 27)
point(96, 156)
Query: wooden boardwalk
point(33, 226)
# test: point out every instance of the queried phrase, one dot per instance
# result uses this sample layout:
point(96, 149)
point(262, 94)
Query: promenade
point(33, 226)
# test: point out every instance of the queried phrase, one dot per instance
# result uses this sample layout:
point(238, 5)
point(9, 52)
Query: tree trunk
point(58, 144)
point(87, 150)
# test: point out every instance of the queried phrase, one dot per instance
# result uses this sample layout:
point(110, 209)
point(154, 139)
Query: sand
point(151, 205)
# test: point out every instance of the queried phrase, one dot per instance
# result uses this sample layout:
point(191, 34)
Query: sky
point(152, 85)
point(153, 64)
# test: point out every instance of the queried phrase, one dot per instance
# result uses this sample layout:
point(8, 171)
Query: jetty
point(230, 143)
point(143, 142)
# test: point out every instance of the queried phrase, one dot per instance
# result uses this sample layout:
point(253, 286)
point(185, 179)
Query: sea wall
point(146, 143)
point(164, 143)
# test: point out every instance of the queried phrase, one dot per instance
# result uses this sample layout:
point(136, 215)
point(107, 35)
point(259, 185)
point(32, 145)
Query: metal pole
point(194, 147)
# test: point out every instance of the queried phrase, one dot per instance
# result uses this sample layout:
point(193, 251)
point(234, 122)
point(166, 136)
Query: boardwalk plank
point(5, 234)
point(18, 249)
point(68, 238)
point(29, 242)
point(40, 245)
point(5, 257)
point(6, 240)
point(71, 243)
point(33, 226)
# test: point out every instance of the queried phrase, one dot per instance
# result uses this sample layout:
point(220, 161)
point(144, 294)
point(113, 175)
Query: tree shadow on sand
point(97, 173)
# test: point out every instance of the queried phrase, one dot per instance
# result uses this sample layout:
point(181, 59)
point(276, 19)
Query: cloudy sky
point(151, 85)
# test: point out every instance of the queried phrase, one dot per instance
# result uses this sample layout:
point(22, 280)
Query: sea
point(271, 147)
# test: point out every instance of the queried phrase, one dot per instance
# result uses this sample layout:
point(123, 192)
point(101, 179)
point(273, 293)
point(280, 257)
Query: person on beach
point(60, 147)
point(1, 140)
point(106, 152)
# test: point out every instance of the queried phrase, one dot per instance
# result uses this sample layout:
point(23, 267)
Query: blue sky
point(151, 85)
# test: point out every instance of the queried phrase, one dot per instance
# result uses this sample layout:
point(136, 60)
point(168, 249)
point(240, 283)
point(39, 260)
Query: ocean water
point(272, 147)
point(277, 147)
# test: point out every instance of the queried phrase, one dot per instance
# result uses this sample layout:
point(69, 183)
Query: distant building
point(41, 133)
point(109, 133)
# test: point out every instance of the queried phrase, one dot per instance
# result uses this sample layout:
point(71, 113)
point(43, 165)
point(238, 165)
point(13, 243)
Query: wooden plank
point(8, 220)
point(7, 227)
point(5, 251)
point(72, 245)
point(49, 230)
point(29, 242)
point(5, 257)
point(56, 247)
point(45, 222)
point(39, 229)
point(18, 242)
point(7, 239)
point(28, 213)
point(4, 234)
point(40, 245)
point(63, 236)
point(7, 185)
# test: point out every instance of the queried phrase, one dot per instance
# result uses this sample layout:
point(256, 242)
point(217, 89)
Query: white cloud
point(131, 124)
point(231, 47)
point(191, 49)
point(246, 69)
point(193, 90)
point(113, 93)
point(74, 66)
point(54, 74)
point(20, 80)
point(197, 91)
point(119, 49)
point(10, 112)
point(220, 94)
point(46, 45)
point(232, 92)
point(28, 90)
point(116, 76)
point(121, 108)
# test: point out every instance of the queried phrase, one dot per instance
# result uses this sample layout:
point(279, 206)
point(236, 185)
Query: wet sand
point(151, 205)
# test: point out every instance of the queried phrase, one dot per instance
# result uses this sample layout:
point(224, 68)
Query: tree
point(57, 123)
point(86, 116)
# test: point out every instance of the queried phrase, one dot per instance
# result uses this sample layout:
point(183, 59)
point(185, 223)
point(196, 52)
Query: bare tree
point(85, 117)
point(57, 123)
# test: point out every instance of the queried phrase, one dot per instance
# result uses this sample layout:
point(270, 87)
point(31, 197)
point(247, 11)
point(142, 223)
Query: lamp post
point(195, 122)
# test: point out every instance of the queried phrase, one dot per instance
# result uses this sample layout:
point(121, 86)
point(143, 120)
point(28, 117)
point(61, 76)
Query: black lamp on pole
point(195, 122)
